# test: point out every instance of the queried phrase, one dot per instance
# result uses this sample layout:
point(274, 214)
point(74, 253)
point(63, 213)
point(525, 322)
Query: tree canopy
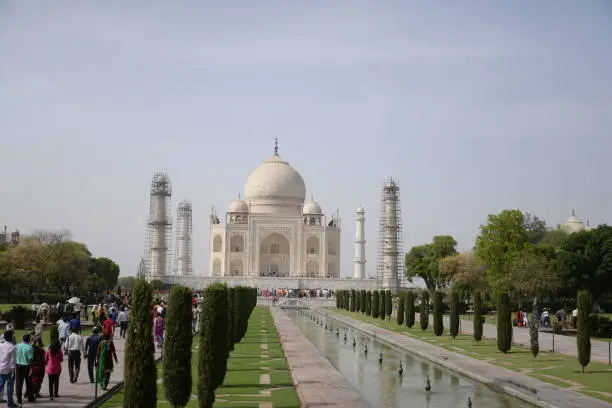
point(423, 260)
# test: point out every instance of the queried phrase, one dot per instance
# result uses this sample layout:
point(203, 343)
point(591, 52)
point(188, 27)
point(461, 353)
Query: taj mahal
point(273, 237)
point(274, 231)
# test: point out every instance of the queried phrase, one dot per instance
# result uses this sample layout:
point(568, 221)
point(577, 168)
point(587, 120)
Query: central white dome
point(275, 184)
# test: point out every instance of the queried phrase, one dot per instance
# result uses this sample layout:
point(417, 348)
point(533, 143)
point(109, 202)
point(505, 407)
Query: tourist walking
point(24, 355)
point(63, 328)
point(122, 319)
point(158, 327)
point(104, 360)
point(75, 349)
point(53, 363)
point(91, 351)
point(37, 367)
point(7, 367)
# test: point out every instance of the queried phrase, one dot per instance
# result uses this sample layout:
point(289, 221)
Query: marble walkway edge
point(316, 380)
point(518, 385)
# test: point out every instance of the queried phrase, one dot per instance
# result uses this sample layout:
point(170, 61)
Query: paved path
point(563, 344)
point(82, 392)
point(519, 385)
point(316, 380)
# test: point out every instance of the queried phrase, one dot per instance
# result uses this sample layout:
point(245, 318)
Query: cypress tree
point(388, 303)
point(437, 314)
point(424, 310)
point(231, 319)
point(504, 323)
point(375, 304)
point(454, 313)
point(534, 344)
point(400, 309)
point(583, 337)
point(368, 310)
point(237, 310)
point(213, 345)
point(140, 373)
point(177, 350)
point(362, 302)
point(478, 316)
point(337, 299)
point(381, 305)
point(353, 300)
point(409, 309)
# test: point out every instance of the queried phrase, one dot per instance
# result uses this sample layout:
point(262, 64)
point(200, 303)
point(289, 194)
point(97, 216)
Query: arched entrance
point(274, 256)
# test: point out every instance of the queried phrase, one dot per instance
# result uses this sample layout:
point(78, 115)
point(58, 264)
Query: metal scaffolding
point(159, 227)
point(390, 264)
point(183, 252)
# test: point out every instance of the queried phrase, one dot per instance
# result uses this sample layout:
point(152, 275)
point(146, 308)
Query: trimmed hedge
point(214, 343)
point(583, 336)
point(368, 310)
point(409, 309)
point(454, 314)
point(375, 304)
point(438, 323)
point(504, 323)
point(177, 349)
point(388, 303)
point(478, 318)
point(362, 300)
point(140, 373)
point(382, 314)
point(424, 310)
point(400, 309)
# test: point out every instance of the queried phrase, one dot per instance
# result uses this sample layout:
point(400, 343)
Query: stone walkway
point(316, 380)
point(563, 344)
point(519, 385)
point(82, 392)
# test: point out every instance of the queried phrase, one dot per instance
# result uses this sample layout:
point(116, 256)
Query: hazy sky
point(475, 107)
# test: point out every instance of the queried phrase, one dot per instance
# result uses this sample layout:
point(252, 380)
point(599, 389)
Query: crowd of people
point(24, 365)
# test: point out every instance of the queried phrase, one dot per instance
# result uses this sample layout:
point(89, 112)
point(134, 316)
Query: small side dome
point(312, 208)
point(238, 206)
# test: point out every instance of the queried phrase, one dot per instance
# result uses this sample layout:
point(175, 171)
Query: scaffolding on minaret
point(390, 266)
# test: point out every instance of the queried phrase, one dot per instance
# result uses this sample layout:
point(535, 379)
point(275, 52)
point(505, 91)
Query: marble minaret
point(360, 260)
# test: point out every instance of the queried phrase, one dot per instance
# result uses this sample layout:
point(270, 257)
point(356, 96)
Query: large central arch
point(275, 256)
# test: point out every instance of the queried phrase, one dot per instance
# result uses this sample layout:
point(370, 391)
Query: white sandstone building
point(274, 231)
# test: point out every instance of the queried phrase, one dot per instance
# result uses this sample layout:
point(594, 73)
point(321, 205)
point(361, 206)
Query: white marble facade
point(274, 231)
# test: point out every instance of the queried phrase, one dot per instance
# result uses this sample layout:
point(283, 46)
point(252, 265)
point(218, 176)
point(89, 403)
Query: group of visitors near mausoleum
point(25, 362)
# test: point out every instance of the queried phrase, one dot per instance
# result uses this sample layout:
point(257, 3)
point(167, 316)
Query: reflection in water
point(380, 385)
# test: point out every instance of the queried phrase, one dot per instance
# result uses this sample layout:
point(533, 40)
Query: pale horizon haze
point(475, 107)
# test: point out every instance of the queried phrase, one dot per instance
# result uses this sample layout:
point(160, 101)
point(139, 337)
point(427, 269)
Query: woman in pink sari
point(158, 329)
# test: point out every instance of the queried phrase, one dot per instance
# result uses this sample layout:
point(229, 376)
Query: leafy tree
point(409, 309)
point(156, 284)
point(584, 261)
point(140, 373)
point(177, 350)
point(423, 260)
point(375, 304)
point(535, 228)
point(213, 344)
point(500, 240)
point(382, 313)
point(400, 309)
point(504, 323)
point(533, 336)
point(464, 272)
point(388, 303)
point(583, 336)
point(478, 318)
point(106, 269)
point(454, 313)
point(437, 314)
point(126, 282)
point(424, 310)
point(368, 310)
point(531, 273)
point(362, 300)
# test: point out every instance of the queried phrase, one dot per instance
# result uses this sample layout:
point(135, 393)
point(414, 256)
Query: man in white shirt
point(8, 364)
point(63, 327)
point(75, 346)
point(122, 319)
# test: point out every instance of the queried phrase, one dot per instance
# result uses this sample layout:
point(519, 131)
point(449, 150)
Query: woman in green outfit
point(104, 360)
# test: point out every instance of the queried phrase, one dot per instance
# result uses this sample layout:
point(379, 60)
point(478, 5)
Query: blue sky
point(475, 107)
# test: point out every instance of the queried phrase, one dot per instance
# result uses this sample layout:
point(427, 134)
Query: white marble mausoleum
point(274, 231)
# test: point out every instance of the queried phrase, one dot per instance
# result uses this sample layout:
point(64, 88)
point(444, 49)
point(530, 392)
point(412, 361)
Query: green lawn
point(246, 366)
point(554, 368)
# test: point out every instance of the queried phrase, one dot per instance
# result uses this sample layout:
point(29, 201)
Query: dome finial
point(239, 196)
point(573, 212)
point(276, 146)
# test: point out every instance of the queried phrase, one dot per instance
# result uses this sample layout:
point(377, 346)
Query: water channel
point(379, 383)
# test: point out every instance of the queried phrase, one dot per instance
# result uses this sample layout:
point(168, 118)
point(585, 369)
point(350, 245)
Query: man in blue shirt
point(91, 350)
point(75, 323)
point(24, 356)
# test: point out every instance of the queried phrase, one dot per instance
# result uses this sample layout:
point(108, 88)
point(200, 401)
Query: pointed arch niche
point(274, 256)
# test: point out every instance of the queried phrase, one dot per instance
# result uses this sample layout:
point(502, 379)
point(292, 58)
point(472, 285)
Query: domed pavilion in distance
point(274, 232)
